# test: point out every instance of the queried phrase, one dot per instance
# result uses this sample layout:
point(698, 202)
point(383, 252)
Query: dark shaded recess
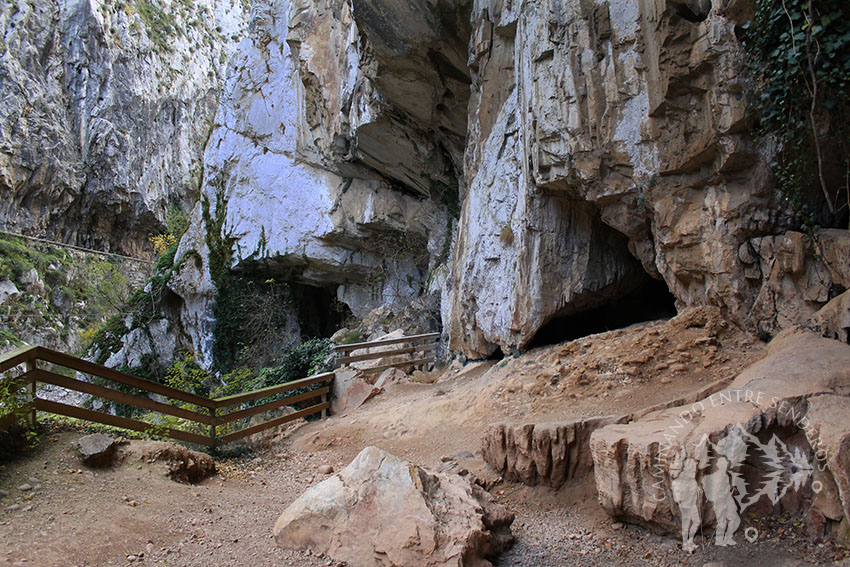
point(319, 311)
point(650, 301)
point(496, 354)
point(693, 14)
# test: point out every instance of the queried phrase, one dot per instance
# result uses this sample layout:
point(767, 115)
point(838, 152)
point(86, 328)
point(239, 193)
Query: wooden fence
point(208, 413)
point(417, 350)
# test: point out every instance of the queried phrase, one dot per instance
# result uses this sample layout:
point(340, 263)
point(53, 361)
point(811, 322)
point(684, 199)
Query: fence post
point(212, 428)
point(324, 411)
point(31, 367)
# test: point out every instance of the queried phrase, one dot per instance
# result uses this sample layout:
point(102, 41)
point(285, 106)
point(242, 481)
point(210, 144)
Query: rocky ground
point(133, 512)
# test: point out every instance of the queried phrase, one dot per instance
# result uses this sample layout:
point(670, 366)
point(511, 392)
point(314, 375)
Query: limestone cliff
point(105, 111)
point(521, 162)
point(588, 147)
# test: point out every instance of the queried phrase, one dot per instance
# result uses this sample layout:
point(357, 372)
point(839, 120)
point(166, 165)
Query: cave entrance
point(649, 301)
point(320, 313)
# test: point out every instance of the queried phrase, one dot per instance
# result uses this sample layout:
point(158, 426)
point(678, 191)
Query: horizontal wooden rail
point(18, 356)
point(386, 353)
point(272, 390)
point(383, 367)
point(384, 342)
point(121, 397)
point(87, 367)
point(233, 416)
point(426, 343)
point(116, 421)
point(319, 388)
point(275, 422)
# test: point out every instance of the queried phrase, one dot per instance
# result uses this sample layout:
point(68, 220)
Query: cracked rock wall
point(105, 111)
point(522, 160)
point(619, 122)
point(282, 167)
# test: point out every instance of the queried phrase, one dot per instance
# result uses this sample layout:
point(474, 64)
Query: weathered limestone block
point(654, 470)
point(797, 276)
point(598, 121)
point(542, 453)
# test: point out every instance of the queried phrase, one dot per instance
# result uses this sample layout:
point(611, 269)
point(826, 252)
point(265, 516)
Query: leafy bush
point(308, 358)
point(16, 258)
point(799, 54)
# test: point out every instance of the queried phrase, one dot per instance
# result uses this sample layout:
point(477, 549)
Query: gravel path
point(133, 514)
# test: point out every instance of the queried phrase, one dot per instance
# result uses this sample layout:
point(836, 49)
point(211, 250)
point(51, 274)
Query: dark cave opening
point(650, 301)
point(320, 313)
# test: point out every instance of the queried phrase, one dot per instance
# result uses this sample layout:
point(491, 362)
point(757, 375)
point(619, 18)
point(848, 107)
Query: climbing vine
point(799, 55)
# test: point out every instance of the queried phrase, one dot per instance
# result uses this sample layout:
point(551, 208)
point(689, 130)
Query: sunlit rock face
point(317, 173)
point(105, 111)
point(516, 162)
point(606, 139)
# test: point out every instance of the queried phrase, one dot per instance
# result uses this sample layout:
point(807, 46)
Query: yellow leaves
point(162, 242)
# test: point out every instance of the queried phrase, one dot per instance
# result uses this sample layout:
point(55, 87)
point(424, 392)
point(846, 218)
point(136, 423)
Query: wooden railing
point(208, 412)
point(418, 350)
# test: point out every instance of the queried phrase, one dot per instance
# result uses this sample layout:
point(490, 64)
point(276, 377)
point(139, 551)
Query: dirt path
point(134, 514)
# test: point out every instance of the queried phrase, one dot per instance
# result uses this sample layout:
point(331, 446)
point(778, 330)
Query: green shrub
point(799, 55)
point(308, 358)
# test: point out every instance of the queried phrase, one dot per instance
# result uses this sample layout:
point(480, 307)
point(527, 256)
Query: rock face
point(383, 511)
point(603, 138)
point(587, 147)
point(542, 453)
point(523, 161)
point(277, 189)
point(106, 111)
point(776, 427)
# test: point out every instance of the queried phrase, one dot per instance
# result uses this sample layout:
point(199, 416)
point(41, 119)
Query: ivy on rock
point(799, 55)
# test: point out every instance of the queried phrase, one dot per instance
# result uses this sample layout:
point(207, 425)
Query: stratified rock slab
point(779, 432)
point(384, 511)
point(543, 453)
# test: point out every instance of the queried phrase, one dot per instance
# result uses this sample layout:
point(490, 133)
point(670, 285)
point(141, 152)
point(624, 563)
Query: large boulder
point(775, 440)
point(384, 511)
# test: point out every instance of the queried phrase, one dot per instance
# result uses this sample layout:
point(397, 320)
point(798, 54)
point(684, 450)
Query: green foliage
point(142, 308)
point(17, 258)
point(308, 358)
point(107, 338)
point(87, 287)
point(186, 375)
point(176, 221)
point(107, 283)
point(799, 54)
point(9, 338)
point(352, 337)
point(13, 399)
point(158, 24)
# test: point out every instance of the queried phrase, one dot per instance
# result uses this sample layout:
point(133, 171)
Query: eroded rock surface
point(383, 511)
point(105, 113)
point(542, 453)
point(606, 141)
point(650, 471)
point(182, 465)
